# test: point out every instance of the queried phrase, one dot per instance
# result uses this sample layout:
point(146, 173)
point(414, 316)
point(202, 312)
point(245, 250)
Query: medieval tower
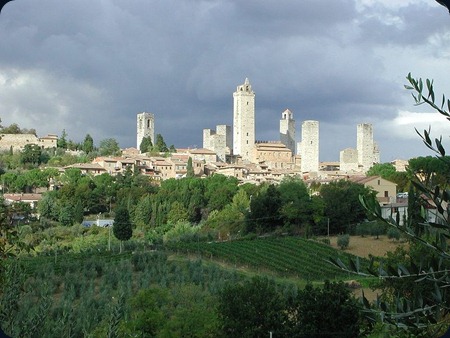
point(365, 146)
point(287, 130)
point(309, 149)
point(218, 141)
point(145, 127)
point(244, 121)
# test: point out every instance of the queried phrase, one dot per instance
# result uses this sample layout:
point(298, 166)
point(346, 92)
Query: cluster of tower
point(239, 141)
point(244, 132)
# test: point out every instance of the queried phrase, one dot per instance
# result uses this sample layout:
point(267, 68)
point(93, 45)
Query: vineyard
point(286, 256)
point(76, 295)
point(91, 294)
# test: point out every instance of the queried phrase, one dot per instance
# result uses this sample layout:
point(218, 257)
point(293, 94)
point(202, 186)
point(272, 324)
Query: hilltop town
point(231, 150)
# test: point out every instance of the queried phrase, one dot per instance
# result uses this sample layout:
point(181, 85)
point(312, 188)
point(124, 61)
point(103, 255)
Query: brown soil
point(365, 246)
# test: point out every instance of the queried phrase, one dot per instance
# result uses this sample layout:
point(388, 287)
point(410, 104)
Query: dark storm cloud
point(90, 66)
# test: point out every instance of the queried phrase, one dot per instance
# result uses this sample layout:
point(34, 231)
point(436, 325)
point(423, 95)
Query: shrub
point(343, 241)
point(393, 233)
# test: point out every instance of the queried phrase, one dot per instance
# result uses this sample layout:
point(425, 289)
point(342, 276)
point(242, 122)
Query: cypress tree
point(122, 225)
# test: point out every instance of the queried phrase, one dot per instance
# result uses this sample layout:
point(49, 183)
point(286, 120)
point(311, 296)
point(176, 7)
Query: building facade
point(273, 154)
point(145, 127)
point(287, 130)
point(244, 121)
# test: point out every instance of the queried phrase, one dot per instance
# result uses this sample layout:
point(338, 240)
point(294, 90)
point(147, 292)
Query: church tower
point(244, 121)
point(145, 127)
point(287, 130)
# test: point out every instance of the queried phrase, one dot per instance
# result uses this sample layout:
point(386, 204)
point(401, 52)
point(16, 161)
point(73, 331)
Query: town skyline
point(91, 69)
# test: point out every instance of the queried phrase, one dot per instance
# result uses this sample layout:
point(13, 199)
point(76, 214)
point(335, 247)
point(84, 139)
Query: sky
point(90, 66)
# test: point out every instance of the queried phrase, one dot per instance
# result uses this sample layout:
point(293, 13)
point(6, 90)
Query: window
point(386, 194)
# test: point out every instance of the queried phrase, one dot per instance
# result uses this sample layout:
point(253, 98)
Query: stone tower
point(287, 130)
point(218, 141)
point(244, 121)
point(310, 146)
point(145, 127)
point(365, 146)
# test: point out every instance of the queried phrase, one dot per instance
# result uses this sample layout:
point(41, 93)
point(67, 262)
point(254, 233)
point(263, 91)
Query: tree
point(342, 207)
point(299, 210)
point(12, 129)
point(160, 145)
point(190, 168)
point(31, 154)
point(415, 284)
point(385, 170)
point(251, 309)
point(177, 213)
point(328, 311)
point(146, 144)
point(62, 140)
point(88, 144)
point(264, 212)
point(147, 316)
point(122, 227)
point(109, 147)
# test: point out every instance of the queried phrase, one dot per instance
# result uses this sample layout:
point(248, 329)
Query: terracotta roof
point(87, 166)
point(22, 197)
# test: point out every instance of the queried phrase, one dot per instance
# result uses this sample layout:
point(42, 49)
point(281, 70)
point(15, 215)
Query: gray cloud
point(91, 66)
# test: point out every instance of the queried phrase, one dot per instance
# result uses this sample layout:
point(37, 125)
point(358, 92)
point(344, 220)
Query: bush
point(343, 241)
point(393, 234)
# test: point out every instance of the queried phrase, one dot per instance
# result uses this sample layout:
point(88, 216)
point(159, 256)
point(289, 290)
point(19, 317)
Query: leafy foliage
point(252, 309)
point(342, 207)
point(329, 311)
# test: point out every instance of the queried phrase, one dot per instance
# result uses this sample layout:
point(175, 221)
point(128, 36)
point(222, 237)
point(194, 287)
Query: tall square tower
point(244, 121)
point(145, 127)
point(365, 145)
point(287, 130)
point(310, 146)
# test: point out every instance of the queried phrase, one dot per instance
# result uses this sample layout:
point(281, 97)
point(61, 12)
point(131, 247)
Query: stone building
point(218, 141)
point(274, 154)
point(17, 142)
point(309, 147)
point(244, 121)
point(49, 141)
point(145, 127)
point(287, 130)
